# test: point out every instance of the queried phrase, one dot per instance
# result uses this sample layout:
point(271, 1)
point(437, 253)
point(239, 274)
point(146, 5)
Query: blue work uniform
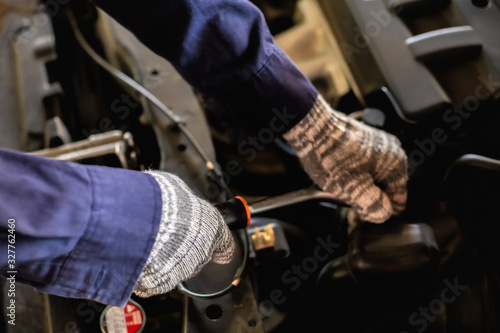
point(86, 231)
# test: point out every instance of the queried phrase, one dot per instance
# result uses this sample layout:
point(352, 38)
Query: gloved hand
point(347, 158)
point(192, 232)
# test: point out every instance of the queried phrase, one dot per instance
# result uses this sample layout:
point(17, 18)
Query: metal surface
point(114, 142)
point(215, 280)
point(237, 302)
point(238, 312)
point(177, 122)
point(292, 198)
point(56, 130)
point(160, 78)
point(34, 47)
point(26, 45)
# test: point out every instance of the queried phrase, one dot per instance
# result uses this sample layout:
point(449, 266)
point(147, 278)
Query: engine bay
point(427, 72)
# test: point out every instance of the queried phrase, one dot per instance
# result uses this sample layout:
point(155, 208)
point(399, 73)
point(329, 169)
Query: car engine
point(77, 86)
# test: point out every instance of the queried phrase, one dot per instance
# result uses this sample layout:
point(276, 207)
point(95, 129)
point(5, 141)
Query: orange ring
point(247, 209)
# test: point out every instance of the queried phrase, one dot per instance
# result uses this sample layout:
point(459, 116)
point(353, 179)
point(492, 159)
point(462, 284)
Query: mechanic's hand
point(349, 159)
point(192, 232)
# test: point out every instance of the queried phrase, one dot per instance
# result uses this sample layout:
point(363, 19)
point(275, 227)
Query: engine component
point(263, 239)
point(127, 53)
point(312, 47)
point(390, 254)
point(307, 194)
point(130, 319)
point(471, 186)
point(269, 242)
point(418, 49)
point(235, 212)
point(220, 297)
point(387, 271)
point(56, 133)
point(114, 142)
point(27, 43)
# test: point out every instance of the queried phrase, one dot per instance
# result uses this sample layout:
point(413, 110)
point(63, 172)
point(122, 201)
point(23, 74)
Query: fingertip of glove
point(225, 253)
point(379, 216)
point(223, 258)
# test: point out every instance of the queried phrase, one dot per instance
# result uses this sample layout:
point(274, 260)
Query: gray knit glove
point(347, 158)
point(192, 232)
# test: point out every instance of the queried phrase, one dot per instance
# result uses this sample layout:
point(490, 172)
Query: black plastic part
point(234, 213)
point(388, 272)
point(471, 187)
point(388, 255)
point(416, 89)
point(233, 312)
point(444, 45)
point(416, 7)
point(429, 54)
point(392, 254)
point(476, 308)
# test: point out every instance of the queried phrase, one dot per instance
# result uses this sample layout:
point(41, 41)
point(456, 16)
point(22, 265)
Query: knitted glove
point(349, 159)
point(192, 232)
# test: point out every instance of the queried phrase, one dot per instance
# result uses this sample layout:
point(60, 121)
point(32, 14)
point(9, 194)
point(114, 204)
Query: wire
point(150, 97)
point(212, 172)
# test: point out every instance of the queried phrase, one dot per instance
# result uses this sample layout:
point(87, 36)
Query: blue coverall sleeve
point(80, 231)
point(224, 49)
point(86, 231)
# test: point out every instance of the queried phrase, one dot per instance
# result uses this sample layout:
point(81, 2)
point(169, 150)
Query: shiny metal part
point(56, 130)
point(109, 143)
point(263, 239)
point(292, 198)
